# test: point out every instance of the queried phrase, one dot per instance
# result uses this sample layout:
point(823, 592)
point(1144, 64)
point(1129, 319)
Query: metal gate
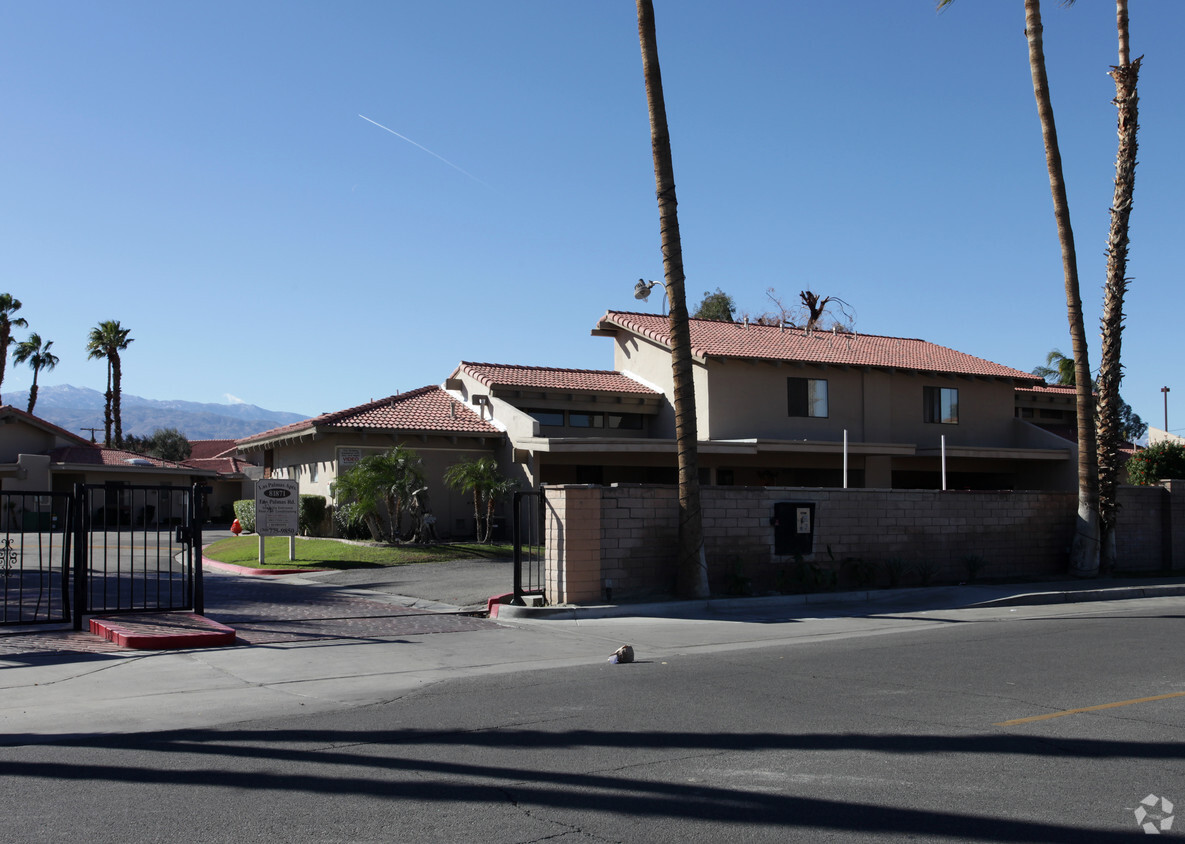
point(35, 557)
point(105, 548)
point(528, 521)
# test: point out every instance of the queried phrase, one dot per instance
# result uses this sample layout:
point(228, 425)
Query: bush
point(350, 523)
point(245, 513)
point(1156, 462)
point(311, 515)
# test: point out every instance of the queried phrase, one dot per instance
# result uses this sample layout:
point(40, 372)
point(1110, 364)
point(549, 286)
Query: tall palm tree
point(692, 577)
point(8, 307)
point(1084, 552)
point(39, 358)
point(107, 340)
point(1110, 414)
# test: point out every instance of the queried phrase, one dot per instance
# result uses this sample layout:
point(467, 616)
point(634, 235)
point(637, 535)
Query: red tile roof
point(221, 465)
point(710, 338)
point(207, 449)
point(550, 378)
point(1047, 390)
point(425, 409)
point(97, 455)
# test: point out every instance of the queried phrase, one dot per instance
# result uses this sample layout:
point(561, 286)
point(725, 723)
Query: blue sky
point(201, 172)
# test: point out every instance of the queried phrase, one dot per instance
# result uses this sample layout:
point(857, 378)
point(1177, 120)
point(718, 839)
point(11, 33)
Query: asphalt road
point(904, 728)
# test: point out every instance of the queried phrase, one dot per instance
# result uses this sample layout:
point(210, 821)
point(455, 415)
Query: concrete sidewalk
point(340, 647)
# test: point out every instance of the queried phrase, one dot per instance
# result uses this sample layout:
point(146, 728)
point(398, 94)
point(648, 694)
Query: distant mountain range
point(74, 408)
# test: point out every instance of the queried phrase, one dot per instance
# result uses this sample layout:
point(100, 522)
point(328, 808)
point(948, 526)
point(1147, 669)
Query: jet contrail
point(424, 148)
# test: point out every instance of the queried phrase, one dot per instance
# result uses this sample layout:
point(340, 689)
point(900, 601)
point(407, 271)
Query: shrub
point(1160, 461)
point(311, 515)
point(245, 513)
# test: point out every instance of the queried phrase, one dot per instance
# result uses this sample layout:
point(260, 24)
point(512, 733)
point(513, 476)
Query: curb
point(677, 609)
point(163, 631)
point(217, 565)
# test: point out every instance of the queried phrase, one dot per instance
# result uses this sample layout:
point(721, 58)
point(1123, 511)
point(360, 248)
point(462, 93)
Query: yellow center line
point(1086, 709)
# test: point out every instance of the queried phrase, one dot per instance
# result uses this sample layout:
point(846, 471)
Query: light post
point(1165, 390)
point(642, 291)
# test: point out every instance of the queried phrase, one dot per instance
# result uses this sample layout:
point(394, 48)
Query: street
point(824, 728)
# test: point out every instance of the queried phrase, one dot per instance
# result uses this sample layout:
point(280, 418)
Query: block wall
point(625, 537)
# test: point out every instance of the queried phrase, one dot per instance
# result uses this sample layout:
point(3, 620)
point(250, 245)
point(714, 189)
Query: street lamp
point(642, 291)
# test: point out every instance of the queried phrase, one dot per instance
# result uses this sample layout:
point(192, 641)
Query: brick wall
point(625, 537)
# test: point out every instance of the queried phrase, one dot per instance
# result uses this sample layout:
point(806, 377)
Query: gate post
point(80, 551)
point(197, 515)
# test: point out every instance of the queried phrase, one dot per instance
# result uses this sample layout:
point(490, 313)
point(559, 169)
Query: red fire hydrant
point(236, 528)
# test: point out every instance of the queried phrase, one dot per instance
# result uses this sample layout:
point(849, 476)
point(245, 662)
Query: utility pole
point(1165, 390)
point(92, 430)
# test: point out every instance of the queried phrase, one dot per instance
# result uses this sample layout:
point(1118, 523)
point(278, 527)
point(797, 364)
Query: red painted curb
point(153, 633)
point(248, 570)
point(496, 601)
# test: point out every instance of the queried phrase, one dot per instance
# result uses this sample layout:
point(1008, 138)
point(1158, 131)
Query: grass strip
point(335, 554)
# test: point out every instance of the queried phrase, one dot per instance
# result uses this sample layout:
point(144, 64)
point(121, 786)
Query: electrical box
point(794, 527)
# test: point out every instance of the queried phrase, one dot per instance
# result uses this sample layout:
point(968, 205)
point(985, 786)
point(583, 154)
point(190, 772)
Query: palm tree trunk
point(116, 389)
point(692, 572)
point(1110, 363)
point(107, 408)
point(1084, 554)
point(33, 393)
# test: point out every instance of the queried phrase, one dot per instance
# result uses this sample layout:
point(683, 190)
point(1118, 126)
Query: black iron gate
point(35, 557)
point(529, 549)
point(105, 548)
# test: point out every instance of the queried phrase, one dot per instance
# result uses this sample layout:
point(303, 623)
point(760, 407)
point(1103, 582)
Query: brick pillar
point(573, 559)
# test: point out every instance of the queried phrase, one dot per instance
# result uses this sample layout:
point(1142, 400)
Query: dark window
point(625, 421)
point(941, 404)
point(806, 397)
point(586, 420)
point(549, 418)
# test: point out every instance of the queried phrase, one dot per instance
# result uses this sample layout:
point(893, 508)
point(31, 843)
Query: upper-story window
point(586, 420)
point(941, 404)
point(806, 396)
point(548, 418)
point(625, 421)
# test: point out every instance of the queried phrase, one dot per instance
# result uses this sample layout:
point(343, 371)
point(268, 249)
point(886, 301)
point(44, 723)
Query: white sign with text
point(277, 506)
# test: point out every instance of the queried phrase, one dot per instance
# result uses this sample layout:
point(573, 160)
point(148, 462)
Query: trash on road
point(623, 654)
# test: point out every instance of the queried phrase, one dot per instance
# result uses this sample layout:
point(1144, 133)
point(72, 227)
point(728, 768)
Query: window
point(586, 420)
point(548, 418)
point(941, 404)
point(806, 397)
point(625, 421)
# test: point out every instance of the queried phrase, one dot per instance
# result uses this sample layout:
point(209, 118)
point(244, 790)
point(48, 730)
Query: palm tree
point(481, 478)
point(1084, 553)
point(692, 577)
point(40, 359)
point(379, 482)
point(8, 306)
point(1058, 367)
point(1110, 367)
point(107, 340)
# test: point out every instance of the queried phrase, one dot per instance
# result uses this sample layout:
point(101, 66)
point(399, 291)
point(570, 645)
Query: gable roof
point(712, 339)
point(427, 409)
point(494, 375)
point(8, 412)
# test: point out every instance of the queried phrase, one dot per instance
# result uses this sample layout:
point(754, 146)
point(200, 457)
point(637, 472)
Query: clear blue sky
point(200, 172)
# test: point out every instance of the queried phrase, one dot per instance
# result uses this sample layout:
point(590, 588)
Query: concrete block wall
point(625, 537)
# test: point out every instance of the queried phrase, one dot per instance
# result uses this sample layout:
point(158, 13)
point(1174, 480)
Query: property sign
point(277, 504)
point(347, 457)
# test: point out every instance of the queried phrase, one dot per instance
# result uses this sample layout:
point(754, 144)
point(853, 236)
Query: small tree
point(163, 443)
point(40, 359)
point(717, 306)
point(380, 485)
point(1156, 462)
point(481, 478)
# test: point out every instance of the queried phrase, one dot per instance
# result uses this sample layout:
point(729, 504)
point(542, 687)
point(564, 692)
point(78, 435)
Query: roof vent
point(139, 461)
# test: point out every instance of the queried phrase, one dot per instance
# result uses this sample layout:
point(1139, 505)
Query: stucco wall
point(625, 537)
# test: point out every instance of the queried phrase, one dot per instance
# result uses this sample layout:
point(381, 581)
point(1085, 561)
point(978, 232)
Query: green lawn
point(331, 554)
